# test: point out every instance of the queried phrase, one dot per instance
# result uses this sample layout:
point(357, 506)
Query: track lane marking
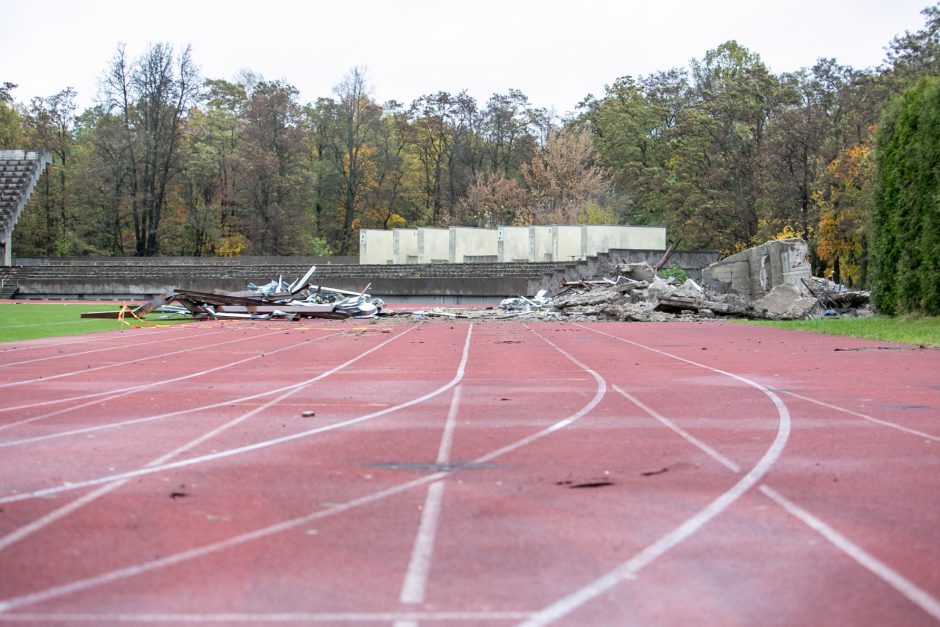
point(125, 363)
point(414, 586)
point(198, 552)
point(110, 395)
point(99, 350)
point(918, 596)
point(133, 421)
point(915, 594)
point(281, 617)
point(68, 508)
point(94, 337)
point(629, 569)
point(878, 421)
point(291, 389)
point(718, 457)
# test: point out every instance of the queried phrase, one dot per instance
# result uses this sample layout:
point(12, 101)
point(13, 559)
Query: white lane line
point(291, 389)
point(95, 337)
point(110, 395)
point(284, 617)
point(117, 347)
point(198, 552)
point(878, 421)
point(561, 424)
point(630, 568)
point(920, 597)
point(116, 364)
point(416, 577)
point(68, 508)
point(133, 421)
point(718, 457)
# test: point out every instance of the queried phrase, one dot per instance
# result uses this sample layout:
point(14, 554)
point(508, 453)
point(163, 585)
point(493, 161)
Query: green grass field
point(23, 321)
point(903, 330)
point(26, 321)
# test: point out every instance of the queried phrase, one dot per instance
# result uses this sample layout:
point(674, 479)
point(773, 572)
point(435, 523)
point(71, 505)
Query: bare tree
point(356, 118)
point(151, 96)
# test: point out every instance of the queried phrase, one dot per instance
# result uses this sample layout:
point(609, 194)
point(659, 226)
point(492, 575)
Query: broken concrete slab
point(785, 302)
point(754, 272)
point(640, 271)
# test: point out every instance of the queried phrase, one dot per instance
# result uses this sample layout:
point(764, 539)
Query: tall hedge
point(905, 264)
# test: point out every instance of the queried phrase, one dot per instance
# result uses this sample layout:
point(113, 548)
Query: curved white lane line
point(110, 395)
point(909, 589)
point(116, 364)
point(179, 412)
point(718, 457)
point(118, 347)
point(68, 508)
point(290, 391)
point(279, 617)
point(651, 553)
point(878, 421)
point(130, 571)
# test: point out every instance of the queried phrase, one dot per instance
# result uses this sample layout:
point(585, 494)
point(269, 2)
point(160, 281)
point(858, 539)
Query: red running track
point(449, 473)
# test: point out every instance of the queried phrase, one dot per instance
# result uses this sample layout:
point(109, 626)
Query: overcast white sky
point(555, 51)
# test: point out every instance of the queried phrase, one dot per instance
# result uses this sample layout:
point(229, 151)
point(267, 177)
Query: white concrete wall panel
point(513, 243)
point(469, 244)
point(566, 243)
point(433, 245)
point(405, 245)
point(375, 246)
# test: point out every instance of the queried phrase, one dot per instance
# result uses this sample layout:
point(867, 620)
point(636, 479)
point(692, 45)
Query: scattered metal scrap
point(274, 300)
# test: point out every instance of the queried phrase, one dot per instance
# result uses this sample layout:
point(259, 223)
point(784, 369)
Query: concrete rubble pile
point(276, 300)
point(771, 281)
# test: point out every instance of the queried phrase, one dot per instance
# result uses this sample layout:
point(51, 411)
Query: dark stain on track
point(428, 467)
point(586, 484)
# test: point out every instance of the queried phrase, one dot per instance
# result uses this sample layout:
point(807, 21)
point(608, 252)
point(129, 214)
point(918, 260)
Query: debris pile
point(274, 300)
point(771, 281)
point(776, 285)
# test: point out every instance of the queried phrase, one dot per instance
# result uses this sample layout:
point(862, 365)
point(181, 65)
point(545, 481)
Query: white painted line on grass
point(920, 597)
point(718, 457)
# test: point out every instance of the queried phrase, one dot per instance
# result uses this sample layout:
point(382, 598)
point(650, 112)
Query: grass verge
point(923, 331)
point(27, 321)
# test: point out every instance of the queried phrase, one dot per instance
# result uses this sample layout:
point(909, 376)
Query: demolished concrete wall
point(754, 272)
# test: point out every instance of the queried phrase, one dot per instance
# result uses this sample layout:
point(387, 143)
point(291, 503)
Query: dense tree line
point(724, 152)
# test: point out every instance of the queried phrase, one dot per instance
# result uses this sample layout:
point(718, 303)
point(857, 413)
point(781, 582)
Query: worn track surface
point(457, 473)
